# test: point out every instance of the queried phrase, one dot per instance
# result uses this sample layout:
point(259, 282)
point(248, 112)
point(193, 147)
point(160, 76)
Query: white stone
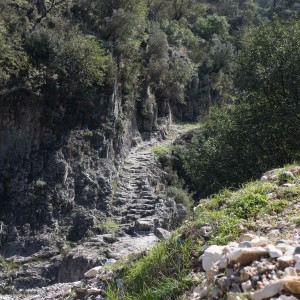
point(259, 242)
point(110, 262)
point(288, 184)
point(268, 291)
point(290, 251)
point(233, 245)
point(247, 255)
point(282, 246)
point(274, 252)
point(290, 271)
point(297, 266)
point(247, 237)
point(211, 256)
point(92, 272)
point(247, 286)
point(264, 178)
point(200, 291)
point(223, 263)
point(292, 284)
point(297, 257)
point(285, 261)
point(234, 296)
point(274, 232)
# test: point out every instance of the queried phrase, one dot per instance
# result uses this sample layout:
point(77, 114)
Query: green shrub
point(180, 196)
point(260, 130)
point(249, 204)
point(285, 177)
point(161, 274)
point(87, 133)
point(109, 225)
point(160, 151)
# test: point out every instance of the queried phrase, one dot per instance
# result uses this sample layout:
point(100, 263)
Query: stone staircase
point(139, 187)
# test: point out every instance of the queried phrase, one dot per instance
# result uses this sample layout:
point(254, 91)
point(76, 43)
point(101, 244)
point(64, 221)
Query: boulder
point(290, 271)
point(247, 286)
point(245, 244)
point(297, 257)
point(268, 291)
point(247, 237)
point(274, 252)
point(144, 225)
point(244, 256)
point(297, 266)
point(92, 272)
point(162, 234)
point(259, 242)
point(292, 285)
point(285, 261)
point(297, 250)
point(94, 292)
point(211, 256)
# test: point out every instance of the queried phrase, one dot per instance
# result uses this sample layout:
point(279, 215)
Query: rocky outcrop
point(254, 269)
point(57, 206)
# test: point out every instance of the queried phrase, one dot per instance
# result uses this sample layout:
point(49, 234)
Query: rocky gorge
point(84, 208)
point(135, 142)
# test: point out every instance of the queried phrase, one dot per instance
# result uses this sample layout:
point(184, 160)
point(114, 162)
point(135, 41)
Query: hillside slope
point(260, 224)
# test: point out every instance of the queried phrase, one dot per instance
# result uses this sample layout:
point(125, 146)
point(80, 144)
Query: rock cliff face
point(199, 98)
point(49, 170)
point(62, 178)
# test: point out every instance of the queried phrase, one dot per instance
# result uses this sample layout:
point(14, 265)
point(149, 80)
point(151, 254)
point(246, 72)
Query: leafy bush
point(161, 151)
point(285, 176)
point(260, 131)
point(213, 24)
point(180, 196)
point(77, 60)
point(249, 204)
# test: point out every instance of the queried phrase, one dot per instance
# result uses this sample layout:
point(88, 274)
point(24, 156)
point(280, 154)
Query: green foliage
point(78, 59)
point(260, 130)
point(296, 221)
point(180, 196)
point(278, 206)
point(227, 211)
point(161, 274)
point(213, 24)
point(270, 62)
point(161, 151)
point(158, 54)
point(109, 225)
point(12, 61)
point(284, 177)
point(249, 204)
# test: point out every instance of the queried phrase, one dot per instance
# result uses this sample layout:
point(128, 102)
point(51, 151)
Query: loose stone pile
point(251, 269)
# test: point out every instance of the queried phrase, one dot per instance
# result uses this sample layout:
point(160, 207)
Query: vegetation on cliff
point(98, 65)
point(74, 50)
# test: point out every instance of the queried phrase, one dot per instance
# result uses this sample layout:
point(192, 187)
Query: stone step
point(130, 218)
point(141, 207)
point(121, 195)
point(144, 202)
point(139, 215)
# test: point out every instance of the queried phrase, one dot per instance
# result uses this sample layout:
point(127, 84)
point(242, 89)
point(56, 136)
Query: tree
point(269, 62)
point(261, 130)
